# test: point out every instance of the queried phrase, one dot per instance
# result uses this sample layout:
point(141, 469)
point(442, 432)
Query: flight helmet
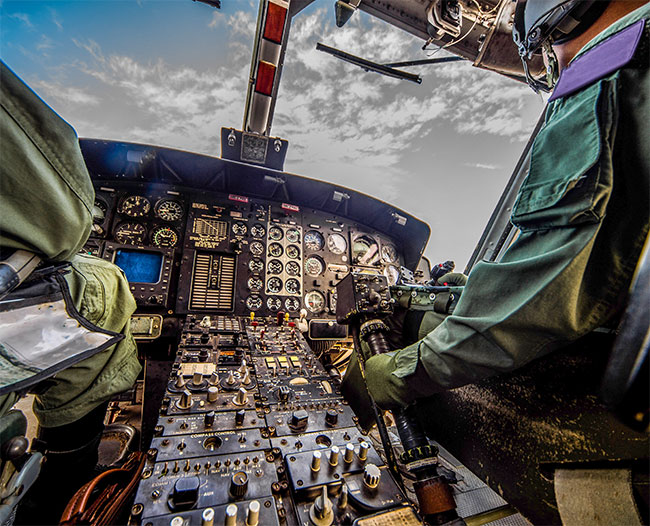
point(540, 23)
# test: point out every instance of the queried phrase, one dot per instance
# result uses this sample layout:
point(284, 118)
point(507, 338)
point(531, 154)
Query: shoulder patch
point(605, 58)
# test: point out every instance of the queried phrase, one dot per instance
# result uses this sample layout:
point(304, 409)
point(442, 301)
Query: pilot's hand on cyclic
point(454, 279)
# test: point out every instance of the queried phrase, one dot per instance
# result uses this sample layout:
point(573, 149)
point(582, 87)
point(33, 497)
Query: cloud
point(56, 20)
point(483, 166)
point(24, 18)
point(66, 94)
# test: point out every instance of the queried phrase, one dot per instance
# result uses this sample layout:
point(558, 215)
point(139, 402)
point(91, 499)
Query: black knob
point(205, 337)
point(239, 484)
point(153, 300)
point(331, 417)
point(299, 420)
point(239, 417)
point(185, 493)
point(203, 355)
point(208, 419)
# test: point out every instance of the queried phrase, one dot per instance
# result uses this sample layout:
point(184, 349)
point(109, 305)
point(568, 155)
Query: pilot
point(46, 198)
point(582, 212)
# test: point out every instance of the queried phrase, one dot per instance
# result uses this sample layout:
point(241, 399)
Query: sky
point(173, 72)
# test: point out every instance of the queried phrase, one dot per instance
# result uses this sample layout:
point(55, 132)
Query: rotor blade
point(368, 65)
point(424, 61)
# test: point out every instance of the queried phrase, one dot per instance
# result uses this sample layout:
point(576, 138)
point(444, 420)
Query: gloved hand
point(454, 279)
point(354, 390)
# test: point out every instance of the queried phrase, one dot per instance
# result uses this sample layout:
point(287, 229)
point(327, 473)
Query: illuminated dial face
point(274, 285)
point(163, 236)
point(255, 265)
point(275, 233)
point(293, 235)
point(365, 250)
point(392, 274)
point(293, 251)
point(389, 253)
point(315, 301)
point(275, 250)
point(169, 210)
point(258, 230)
point(314, 240)
point(239, 228)
point(135, 206)
point(255, 283)
point(293, 269)
point(293, 286)
point(291, 304)
point(99, 211)
point(274, 304)
point(256, 248)
point(130, 233)
point(254, 302)
point(275, 266)
point(314, 266)
point(337, 244)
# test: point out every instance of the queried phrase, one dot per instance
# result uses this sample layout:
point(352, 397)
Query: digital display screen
point(139, 266)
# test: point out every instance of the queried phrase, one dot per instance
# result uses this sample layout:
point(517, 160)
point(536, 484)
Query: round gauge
point(130, 233)
point(293, 286)
point(254, 302)
point(314, 266)
point(315, 301)
point(256, 248)
point(337, 243)
point(99, 211)
point(314, 240)
point(292, 304)
point(239, 228)
point(258, 230)
point(163, 236)
point(293, 251)
point(389, 253)
point(169, 210)
point(275, 250)
point(275, 266)
point(365, 250)
point(255, 283)
point(275, 233)
point(293, 235)
point(293, 269)
point(255, 265)
point(274, 304)
point(274, 285)
point(135, 206)
point(392, 274)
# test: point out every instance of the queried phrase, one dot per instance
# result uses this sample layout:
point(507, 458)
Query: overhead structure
point(477, 30)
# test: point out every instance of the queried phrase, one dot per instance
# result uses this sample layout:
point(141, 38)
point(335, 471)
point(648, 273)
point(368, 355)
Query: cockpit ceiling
point(485, 32)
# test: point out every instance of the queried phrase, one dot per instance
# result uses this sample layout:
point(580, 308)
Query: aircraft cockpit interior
point(256, 289)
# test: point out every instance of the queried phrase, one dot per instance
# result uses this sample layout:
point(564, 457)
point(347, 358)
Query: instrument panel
point(195, 251)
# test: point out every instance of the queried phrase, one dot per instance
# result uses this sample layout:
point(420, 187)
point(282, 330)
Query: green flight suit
point(583, 213)
point(46, 201)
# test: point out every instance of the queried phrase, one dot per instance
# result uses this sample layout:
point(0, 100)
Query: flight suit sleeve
point(101, 293)
point(561, 278)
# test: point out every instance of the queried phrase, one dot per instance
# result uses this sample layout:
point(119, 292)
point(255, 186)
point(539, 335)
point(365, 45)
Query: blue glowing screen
point(140, 267)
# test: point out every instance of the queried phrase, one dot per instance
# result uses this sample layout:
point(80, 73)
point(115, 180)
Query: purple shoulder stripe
point(603, 59)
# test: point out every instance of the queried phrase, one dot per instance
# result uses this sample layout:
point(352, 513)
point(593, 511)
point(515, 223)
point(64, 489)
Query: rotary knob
point(239, 417)
point(331, 417)
point(283, 393)
point(185, 401)
point(321, 513)
point(239, 484)
point(208, 419)
point(185, 493)
point(371, 476)
point(299, 420)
